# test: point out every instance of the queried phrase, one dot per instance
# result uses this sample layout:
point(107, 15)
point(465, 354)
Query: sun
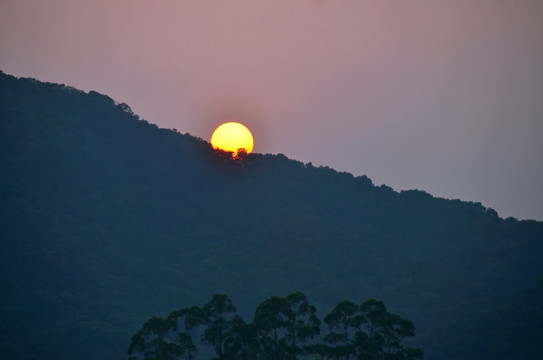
point(231, 137)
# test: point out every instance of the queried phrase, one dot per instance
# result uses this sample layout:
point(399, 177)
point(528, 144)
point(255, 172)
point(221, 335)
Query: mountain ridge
point(125, 220)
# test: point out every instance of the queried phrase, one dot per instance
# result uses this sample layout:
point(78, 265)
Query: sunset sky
point(441, 96)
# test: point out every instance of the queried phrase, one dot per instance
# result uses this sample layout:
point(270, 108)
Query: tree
point(343, 322)
point(302, 323)
point(184, 322)
point(237, 345)
point(282, 326)
point(167, 339)
point(222, 326)
point(382, 334)
point(268, 329)
point(151, 342)
point(367, 332)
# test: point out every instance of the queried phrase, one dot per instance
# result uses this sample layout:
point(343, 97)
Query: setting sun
point(232, 136)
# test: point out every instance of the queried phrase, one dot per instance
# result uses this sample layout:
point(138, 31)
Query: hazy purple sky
point(442, 96)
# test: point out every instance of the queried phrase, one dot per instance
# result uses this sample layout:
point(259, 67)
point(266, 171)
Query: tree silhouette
point(269, 328)
point(282, 328)
point(184, 323)
point(383, 333)
point(222, 323)
point(302, 322)
point(151, 343)
point(343, 321)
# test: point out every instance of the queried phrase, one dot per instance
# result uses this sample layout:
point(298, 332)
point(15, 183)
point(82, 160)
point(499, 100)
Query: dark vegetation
point(282, 328)
point(107, 220)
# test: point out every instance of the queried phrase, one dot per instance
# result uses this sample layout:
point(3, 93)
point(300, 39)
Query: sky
point(440, 96)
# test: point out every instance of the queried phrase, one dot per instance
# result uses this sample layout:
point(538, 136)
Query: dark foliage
point(513, 330)
point(282, 328)
point(106, 219)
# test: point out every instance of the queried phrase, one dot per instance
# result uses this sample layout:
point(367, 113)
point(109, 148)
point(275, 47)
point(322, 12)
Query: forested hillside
point(107, 220)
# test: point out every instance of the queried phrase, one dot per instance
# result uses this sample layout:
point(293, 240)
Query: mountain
point(107, 220)
point(509, 331)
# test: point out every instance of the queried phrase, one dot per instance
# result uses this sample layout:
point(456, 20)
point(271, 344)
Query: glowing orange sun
point(231, 137)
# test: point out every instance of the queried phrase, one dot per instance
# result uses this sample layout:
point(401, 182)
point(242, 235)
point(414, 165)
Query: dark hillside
point(107, 220)
point(510, 331)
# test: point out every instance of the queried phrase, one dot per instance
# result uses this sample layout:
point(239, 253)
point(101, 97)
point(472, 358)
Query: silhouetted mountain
point(107, 220)
point(509, 331)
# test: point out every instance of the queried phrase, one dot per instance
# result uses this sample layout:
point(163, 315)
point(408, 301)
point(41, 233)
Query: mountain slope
point(509, 331)
point(107, 220)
